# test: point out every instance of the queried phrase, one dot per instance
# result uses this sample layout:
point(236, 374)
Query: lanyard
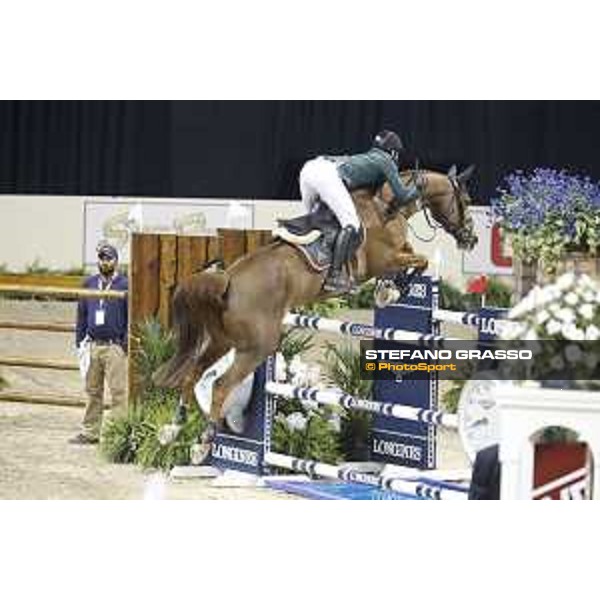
point(105, 289)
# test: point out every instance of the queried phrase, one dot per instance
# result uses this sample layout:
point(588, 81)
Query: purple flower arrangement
point(548, 212)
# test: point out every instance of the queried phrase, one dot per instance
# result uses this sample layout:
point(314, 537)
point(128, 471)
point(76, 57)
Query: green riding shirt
point(372, 169)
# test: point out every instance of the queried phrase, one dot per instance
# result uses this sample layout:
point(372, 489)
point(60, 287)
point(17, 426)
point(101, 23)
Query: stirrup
point(339, 283)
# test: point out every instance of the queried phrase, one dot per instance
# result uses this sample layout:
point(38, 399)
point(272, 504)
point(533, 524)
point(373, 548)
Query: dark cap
point(388, 141)
point(106, 250)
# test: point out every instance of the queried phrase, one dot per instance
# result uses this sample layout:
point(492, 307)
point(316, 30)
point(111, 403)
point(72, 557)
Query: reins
point(420, 182)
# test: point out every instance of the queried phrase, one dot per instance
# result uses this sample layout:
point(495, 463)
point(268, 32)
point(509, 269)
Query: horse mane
point(383, 196)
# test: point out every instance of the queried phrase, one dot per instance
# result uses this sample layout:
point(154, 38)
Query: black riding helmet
point(390, 142)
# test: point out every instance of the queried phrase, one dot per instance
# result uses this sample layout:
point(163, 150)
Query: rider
point(330, 179)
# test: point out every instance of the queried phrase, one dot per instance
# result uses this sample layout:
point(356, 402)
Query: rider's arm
point(401, 192)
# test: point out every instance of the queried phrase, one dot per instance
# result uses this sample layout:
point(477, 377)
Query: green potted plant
point(553, 219)
point(342, 369)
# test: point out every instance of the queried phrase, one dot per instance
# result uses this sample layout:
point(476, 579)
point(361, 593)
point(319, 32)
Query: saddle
point(313, 234)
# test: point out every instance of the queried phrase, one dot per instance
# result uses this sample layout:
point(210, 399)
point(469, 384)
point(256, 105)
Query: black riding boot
point(346, 243)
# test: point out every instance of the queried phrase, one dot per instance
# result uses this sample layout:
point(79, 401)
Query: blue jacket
point(115, 312)
point(372, 169)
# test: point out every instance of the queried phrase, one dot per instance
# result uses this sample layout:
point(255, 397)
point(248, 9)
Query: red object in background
point(498, 257)
point(561, 472)
point(478, 285)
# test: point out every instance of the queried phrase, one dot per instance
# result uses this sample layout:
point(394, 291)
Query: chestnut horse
point(243, 307)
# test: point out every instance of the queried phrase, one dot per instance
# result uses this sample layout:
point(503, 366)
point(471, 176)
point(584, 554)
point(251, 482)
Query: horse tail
point(198, 305)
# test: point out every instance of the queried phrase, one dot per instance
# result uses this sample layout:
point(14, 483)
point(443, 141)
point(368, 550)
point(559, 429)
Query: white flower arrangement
point(566, 310)
point(300, 374)
point(303, 374)
point(296, 421)
point(280, 374)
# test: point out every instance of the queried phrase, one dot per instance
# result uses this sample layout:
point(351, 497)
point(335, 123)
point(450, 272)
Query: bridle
point(435, 222)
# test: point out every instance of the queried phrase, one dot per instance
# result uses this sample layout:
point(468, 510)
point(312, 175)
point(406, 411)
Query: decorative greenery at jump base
point(305, 429)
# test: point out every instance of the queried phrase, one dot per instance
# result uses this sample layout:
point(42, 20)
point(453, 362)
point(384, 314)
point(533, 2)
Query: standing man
point(102, 323)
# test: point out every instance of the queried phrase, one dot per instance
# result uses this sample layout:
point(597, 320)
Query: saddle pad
point(318, 254)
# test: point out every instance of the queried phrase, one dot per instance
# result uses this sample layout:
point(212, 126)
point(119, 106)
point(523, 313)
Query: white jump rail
point(335, 398)
point(473, 319)
point(361, 330)
point(404, 485)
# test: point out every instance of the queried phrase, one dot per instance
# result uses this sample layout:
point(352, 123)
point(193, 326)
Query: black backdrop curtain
point(255, 149)
point(80, 148)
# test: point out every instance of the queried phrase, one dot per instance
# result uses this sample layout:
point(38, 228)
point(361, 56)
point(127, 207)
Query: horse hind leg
point(212, 352)
point(245, 363)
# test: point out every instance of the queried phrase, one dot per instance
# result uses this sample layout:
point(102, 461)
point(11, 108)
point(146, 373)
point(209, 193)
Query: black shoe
point(83, 439)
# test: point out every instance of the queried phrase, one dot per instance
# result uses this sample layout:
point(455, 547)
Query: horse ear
point(452, 171)
point(466, 174)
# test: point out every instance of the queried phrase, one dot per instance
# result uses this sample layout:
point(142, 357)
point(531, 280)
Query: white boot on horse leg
point(233, 408)
point(203, 390)
point(236, 404)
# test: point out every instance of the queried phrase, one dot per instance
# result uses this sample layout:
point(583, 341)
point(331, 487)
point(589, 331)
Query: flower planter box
point(525, 278)
point(528, 275)
point(551, 216)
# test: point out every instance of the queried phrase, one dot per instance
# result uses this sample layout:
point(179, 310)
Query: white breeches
point(319, 180)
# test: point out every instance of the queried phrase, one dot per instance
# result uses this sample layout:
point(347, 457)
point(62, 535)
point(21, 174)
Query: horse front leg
point(402, 270)
point(405, 260)
point(404, 278)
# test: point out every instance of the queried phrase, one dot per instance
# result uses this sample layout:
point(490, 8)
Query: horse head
point(449, 207)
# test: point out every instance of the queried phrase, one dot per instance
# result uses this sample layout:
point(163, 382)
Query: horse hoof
point(209, 433)
point(200, 453)
point(385, 294)
point(180, 415)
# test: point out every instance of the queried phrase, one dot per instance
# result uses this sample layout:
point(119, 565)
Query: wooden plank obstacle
point(160, 262)
point(46, 291)
point(56, 327)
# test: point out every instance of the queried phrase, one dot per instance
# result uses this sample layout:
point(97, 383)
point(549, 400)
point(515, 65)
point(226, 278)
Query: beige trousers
point(107, 364)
